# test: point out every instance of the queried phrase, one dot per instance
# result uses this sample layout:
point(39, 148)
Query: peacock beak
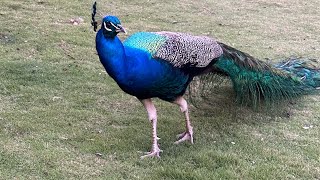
point(121, 29)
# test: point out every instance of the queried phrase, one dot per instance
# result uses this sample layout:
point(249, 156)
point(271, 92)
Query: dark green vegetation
point(58, 108)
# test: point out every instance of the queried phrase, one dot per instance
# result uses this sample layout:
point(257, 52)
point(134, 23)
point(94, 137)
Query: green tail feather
point(254, 80)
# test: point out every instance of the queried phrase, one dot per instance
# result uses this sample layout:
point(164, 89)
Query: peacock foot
point(186, 136)
point(155, 152)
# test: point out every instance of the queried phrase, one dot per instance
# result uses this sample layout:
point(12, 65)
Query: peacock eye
point(107, 26)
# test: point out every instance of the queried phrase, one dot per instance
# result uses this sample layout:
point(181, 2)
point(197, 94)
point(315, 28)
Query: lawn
point(63, 117)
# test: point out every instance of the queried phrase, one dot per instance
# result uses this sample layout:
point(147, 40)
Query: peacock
point(162, 64)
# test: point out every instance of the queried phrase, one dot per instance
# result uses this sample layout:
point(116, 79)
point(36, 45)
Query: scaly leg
point(188, 135)
point(152, 115)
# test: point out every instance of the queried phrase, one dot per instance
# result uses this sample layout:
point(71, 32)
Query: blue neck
point(111, 53)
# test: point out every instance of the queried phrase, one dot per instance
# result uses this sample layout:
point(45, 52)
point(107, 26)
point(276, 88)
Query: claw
point(179, 136)
point(186, 136)
point(155, 152)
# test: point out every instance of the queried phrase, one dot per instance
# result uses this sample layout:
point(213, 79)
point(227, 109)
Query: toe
point(186, 137)
point(179, 136)
point(151, 154)
point(155, 152)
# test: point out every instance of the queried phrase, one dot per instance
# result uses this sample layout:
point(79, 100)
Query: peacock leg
point(188, 135)
point(152, 115)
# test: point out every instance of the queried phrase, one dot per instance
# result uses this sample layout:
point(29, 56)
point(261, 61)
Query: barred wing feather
point(180, 49)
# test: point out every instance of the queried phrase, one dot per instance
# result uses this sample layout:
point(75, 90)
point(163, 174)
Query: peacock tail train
point(254, 80)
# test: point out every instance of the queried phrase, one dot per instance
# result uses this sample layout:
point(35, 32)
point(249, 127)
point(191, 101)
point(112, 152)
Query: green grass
point(58, 108)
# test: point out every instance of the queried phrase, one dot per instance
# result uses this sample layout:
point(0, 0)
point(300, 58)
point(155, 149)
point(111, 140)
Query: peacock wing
point(180, 49)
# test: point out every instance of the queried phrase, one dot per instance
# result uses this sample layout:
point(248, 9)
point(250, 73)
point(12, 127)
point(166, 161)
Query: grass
point(62, 117)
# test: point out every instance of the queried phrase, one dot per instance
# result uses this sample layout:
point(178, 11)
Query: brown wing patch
point(182, 49)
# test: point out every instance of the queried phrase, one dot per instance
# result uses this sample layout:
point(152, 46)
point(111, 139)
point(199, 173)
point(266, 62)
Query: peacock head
point(111, 26)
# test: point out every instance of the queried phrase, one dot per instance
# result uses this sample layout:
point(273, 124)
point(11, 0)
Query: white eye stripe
point(117, 28)
point(105, 26)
